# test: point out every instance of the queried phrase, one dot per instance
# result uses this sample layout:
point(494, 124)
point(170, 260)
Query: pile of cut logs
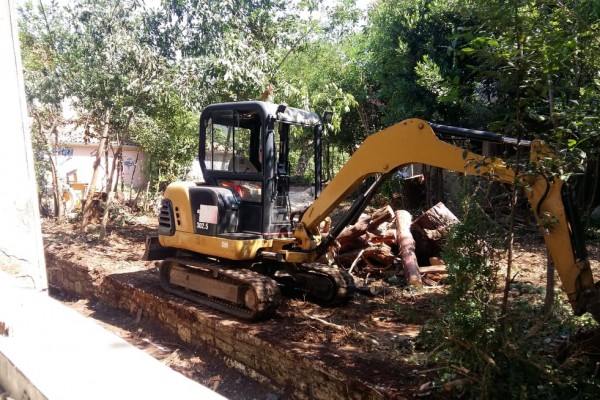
point(384, 239)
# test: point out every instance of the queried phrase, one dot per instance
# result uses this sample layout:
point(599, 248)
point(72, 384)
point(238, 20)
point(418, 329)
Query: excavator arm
point(414, 141)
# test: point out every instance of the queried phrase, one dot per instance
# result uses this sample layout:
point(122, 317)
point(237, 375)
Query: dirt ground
point(375, 334)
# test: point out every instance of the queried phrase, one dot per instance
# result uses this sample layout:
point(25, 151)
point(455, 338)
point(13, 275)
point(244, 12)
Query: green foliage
point(93, 56)
point(593, 230)
point(524, 68)
point(408, 43)
point(472, 259)
point(310, 74)
point(531, 69)
point(168, 135)
point(496, 358)
point(232, 49)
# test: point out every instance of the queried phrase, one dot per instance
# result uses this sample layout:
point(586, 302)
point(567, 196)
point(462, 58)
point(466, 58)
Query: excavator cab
point(245, 149)
point(220, 241)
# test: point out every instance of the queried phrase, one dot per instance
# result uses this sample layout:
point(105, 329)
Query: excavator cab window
point(232, 142)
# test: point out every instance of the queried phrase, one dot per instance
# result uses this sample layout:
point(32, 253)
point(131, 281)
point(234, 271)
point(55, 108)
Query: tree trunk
point(514, 195)
point(88, 206)
point(57, 189)
point(549, 299)
point(137, 155)
point(120, 175)
point(595, 184)
point(406, 244)
point(109, 183)
point(53, 157)
point(302, 161)
point(109, 194)
point(414, 192)
point(434, 184)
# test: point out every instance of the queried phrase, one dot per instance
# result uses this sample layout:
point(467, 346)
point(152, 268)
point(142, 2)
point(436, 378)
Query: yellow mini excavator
point(235, 241)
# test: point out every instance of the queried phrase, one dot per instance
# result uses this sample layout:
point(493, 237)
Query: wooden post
point(406, 244)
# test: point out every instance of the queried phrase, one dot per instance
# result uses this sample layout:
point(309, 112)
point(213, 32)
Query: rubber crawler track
point(266, 289)
point(342, 280)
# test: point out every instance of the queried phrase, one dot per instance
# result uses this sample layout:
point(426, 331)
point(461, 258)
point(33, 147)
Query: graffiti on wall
point(64, 151)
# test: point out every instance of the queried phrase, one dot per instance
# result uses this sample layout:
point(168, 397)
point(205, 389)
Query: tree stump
point(430, 231)
point(413, 192)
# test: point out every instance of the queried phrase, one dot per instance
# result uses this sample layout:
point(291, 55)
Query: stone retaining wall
point(276, 364)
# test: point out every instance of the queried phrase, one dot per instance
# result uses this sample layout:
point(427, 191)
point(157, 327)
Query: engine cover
point(214, 210)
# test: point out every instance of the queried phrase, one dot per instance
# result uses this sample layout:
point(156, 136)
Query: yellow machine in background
point(234, 241)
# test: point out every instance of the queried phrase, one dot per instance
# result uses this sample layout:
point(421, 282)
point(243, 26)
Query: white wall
point(80, 159)
point(20, 230)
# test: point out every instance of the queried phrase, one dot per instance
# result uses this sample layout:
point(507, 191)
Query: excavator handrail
point(478, 134)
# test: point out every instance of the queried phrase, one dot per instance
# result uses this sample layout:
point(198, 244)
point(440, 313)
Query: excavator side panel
point(204, 222)
point(221, 247)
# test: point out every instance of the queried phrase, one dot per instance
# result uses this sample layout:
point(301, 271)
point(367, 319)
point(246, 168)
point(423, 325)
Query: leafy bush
point(485, 355)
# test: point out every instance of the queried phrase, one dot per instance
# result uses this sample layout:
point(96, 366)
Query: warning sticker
point(208, 214)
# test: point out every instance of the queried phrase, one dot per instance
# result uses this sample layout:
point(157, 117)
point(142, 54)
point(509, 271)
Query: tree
point(40, 30)
point(168, 134)
point(401, 35)
point(100, 59)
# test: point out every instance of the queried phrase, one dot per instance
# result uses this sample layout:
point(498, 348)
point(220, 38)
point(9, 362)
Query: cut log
point(350, 242)
point(380, 216)
point(378, 257)
point(388, 237)
point(436, 261)
point(349, 236)
point(366, 222)
point(406, 244)
point(375, 258)
point(430, 230)
point(436, 217)
point(434, 269)
point(347, 259)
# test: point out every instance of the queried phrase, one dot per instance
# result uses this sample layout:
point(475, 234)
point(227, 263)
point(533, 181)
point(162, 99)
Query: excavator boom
point(414, 141)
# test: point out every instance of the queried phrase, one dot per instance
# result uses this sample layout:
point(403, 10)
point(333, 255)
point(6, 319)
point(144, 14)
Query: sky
point(362, 4)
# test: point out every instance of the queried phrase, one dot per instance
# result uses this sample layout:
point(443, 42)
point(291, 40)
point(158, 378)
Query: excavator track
point(326, 285)
point(239, 292)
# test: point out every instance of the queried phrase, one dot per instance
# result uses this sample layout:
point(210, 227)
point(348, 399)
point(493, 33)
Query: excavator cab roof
point(278, 112)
